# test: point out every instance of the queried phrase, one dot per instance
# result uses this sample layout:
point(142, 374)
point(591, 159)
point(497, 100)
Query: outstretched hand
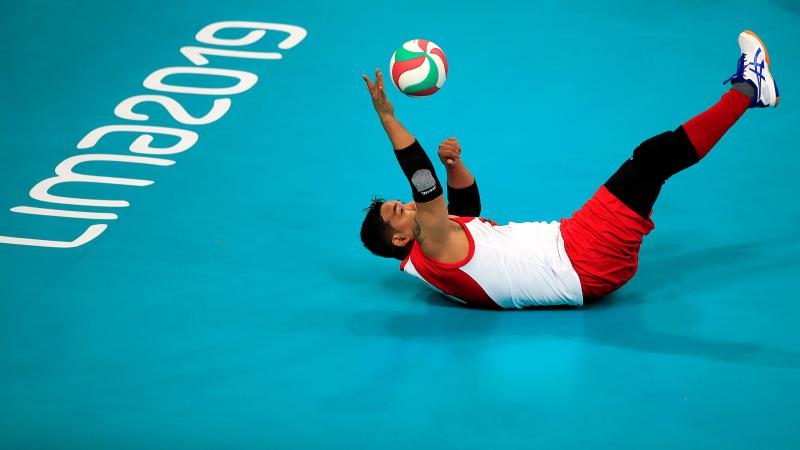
point(450, 152)
point(380, 101)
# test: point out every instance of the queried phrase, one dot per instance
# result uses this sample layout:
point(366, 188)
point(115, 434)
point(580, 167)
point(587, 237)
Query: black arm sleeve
point(419, 170)
point(464, 202)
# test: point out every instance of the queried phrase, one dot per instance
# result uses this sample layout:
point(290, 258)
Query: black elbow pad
point(420, 173)
point(464, 202)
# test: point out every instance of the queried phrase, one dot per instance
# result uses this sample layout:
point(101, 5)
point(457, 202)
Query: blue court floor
point(230, 304)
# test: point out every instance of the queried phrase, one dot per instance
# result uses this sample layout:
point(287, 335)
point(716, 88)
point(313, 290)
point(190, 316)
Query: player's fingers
point(380, 85)
point(370, 86)
point(379, 78)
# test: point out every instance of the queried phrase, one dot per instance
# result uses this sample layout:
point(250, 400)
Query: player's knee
point(653, 149)
point(662, 156)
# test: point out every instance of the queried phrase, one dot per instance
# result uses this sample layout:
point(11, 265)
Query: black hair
point(376, 234)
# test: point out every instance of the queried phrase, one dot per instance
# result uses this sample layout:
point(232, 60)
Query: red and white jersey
point(510, 266)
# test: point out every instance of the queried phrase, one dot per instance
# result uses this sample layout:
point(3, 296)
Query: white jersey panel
point(523, 264)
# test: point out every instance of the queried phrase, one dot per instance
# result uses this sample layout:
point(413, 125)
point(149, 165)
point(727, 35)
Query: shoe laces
point(739, 75)
point(754, 67)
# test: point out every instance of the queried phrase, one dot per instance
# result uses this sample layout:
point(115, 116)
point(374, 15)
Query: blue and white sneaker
point(753, 68)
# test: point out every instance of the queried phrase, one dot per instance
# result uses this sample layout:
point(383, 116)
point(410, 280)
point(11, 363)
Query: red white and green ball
point(418, 68)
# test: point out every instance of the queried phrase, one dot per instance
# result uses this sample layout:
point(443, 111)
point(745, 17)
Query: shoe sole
point(766, 56)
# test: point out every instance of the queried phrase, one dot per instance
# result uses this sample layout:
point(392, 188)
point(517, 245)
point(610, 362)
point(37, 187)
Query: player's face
point(400, 216)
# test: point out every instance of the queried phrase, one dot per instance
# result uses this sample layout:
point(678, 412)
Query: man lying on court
point(480, 263)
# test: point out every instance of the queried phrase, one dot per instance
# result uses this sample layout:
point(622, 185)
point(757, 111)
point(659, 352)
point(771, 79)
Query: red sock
point(707, 129)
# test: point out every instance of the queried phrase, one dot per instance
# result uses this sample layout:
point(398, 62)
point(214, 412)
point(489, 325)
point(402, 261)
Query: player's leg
point(603, 238)
point(638, 182)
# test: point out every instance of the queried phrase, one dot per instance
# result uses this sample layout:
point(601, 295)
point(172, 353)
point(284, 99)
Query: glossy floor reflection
point(231, 305)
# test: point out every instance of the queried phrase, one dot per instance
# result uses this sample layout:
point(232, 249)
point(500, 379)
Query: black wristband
point(465, 202)
point(420, 173)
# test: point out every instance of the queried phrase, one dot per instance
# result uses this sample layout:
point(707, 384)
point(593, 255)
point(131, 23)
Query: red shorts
point(602, 240)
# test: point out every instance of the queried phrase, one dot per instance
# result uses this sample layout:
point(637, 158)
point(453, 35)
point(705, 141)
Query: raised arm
point(431, 228)
point(462, 190)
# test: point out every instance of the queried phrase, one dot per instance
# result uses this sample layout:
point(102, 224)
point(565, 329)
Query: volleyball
point(418, 68)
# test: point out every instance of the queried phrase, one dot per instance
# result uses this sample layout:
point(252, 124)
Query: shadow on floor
point(615, 320)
